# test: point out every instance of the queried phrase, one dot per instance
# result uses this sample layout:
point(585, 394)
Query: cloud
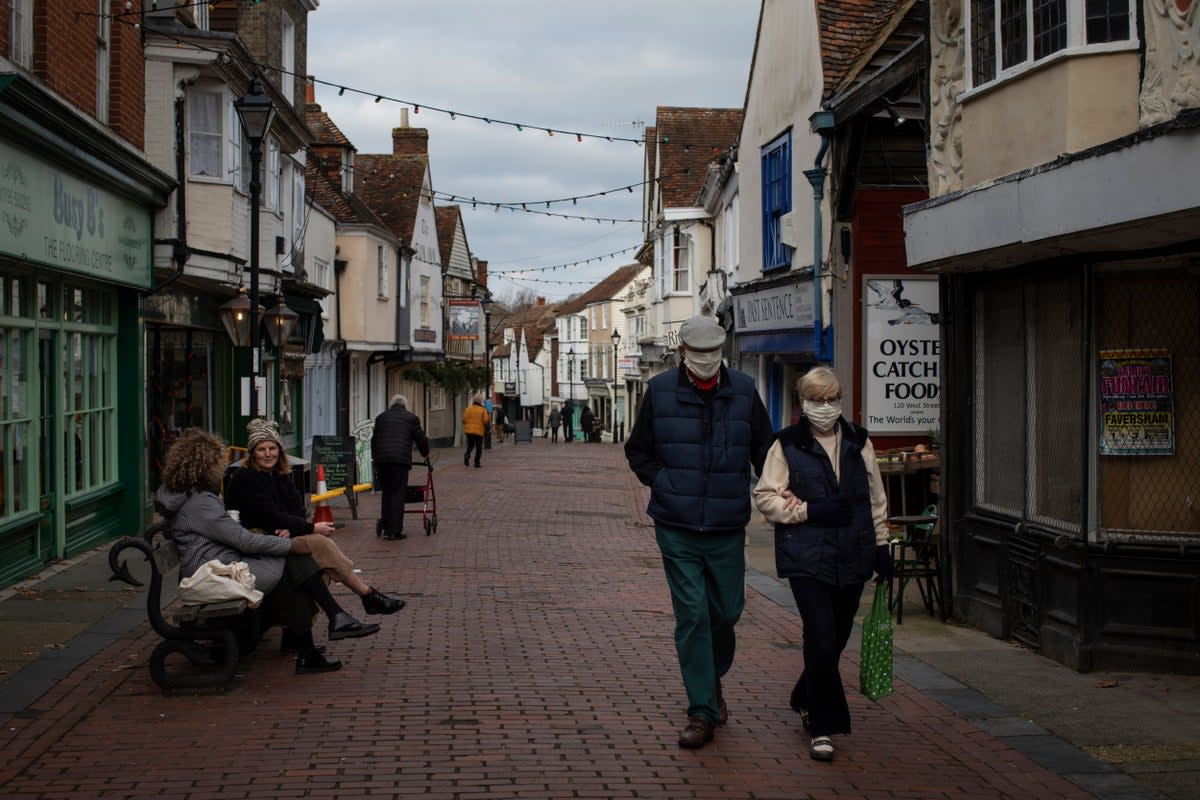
point(569, 66)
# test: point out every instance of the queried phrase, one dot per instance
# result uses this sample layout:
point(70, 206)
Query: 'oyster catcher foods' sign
point(901, 355)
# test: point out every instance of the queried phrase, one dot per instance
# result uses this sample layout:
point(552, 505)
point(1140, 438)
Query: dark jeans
point(827, 612)
point(474, 442)
point(566, 432)
point(393, 484)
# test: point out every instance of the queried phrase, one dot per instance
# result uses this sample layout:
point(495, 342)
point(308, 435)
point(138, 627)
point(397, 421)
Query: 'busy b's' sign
point(901, 355)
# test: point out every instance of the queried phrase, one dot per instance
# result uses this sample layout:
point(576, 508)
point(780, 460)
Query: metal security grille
point(1147, 363)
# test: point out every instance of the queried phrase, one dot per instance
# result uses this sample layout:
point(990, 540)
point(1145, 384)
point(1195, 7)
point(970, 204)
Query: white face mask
point(702, 365)
point(823, 416)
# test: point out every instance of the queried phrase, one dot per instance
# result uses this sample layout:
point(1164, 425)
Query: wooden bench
point(211, 636)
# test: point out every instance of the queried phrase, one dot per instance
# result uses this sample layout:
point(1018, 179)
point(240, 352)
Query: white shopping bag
point(214, 582)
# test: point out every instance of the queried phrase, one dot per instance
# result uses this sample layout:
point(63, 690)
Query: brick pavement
point(535, 660)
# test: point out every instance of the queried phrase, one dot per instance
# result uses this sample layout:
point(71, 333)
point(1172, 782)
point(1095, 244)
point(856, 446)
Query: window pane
point(999, 395)
point(1107, 21)
point(1049, 27)
point(1159, 312)
point(204, 133)
point(1013, 43)
point(1056, 427)
point(983, 41)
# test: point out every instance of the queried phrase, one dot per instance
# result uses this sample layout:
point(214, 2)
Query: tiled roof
point(325, 132)
point(608, 288)
point(849, 30)
point(391, 186)
point(345, 208)
point(689, 138)
point(447, 218)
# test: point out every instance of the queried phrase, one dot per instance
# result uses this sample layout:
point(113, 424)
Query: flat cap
point(701, 333)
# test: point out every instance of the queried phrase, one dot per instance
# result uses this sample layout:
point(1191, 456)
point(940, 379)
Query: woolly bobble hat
point(261, 430)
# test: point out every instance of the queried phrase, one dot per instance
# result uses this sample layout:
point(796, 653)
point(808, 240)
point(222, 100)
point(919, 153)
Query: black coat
point(397, 430)
point(267, 500)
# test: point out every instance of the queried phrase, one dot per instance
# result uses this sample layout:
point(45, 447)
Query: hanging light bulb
point(341, 90)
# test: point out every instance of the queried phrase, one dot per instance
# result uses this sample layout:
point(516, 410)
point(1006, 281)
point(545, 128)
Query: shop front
point(75, 240)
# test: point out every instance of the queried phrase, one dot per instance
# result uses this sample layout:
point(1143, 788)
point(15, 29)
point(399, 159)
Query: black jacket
point(267, 500)
point(397, 430)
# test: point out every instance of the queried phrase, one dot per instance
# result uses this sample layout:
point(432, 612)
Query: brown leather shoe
point(722, 709)
point(699, 732)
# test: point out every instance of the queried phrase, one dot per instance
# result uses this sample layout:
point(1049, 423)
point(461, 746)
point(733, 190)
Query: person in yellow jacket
point(475, 421)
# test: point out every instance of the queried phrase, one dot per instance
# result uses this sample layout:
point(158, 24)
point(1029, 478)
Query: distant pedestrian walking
point(822, 489)
point(397, 431)
point(587, 421)
point(475, 421)
point(553, 423)
point(568, 410)
point(698, 432)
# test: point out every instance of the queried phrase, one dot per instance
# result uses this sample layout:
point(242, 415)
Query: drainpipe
point(821, 122)
point(179, 248)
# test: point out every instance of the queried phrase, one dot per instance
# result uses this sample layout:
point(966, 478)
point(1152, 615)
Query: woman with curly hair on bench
point(284, 570)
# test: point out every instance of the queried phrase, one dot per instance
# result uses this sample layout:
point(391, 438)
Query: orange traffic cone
point(323, 513)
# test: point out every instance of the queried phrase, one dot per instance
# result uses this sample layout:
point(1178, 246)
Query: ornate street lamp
point(616, 340)
point(280, 322)
point(256, 111)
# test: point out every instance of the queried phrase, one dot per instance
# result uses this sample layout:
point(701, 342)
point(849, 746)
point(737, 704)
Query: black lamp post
point(616, 340)
point(486, 305)
point(571, 384)
point(256, 111)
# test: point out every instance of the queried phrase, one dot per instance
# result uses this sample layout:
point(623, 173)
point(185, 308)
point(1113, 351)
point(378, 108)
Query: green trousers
point(707, 577)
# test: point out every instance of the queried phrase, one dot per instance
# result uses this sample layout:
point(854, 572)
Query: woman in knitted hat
point(283, 570)
point(266, 497)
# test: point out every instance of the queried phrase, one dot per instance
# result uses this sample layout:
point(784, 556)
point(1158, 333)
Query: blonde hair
point(196, 461)
point(818, 381)
point(282, 467)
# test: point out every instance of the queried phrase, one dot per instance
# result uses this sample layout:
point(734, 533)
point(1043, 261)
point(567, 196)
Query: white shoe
point(821, 748)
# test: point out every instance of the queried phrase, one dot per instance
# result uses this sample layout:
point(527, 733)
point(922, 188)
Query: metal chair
point(915, 558)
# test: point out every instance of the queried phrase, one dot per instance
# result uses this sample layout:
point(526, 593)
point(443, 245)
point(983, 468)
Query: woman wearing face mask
point(822, 489)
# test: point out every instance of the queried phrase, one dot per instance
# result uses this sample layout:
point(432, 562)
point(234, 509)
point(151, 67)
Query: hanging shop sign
point(465, 320)
point(901, 353)
point(51, 216)
point(1137, 403)
point(779, 308)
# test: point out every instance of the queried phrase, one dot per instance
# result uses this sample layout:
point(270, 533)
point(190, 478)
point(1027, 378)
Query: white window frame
point(381, 273)
point(299, 203)
point(287, 58)
point(424, 284)
point(273, 180)
point(1076, 43)
point(20, 27)
point(200, 17)
point(681, 263)
point(103, 59)
point(347, 170)
point(216, 135)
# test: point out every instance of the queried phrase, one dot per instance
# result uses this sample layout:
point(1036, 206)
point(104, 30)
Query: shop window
point(437, 398)
point(999, 399)
point(1029, 430)
point(16, 421)
point(178, 365)
point(1147, 364)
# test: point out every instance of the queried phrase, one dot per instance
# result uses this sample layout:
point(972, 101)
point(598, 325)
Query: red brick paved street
point(534, 660)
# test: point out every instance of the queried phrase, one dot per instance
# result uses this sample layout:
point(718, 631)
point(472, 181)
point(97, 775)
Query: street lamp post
point(256, 111)
point(616, 340)
point(571, 385)
point(486, 305)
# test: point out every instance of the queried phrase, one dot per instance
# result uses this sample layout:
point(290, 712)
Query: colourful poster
point(1137, 414)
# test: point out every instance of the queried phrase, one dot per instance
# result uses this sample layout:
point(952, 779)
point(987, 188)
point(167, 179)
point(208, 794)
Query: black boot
point(376, 602)
point(344, 626)
point(291, 643)
point(313, 661)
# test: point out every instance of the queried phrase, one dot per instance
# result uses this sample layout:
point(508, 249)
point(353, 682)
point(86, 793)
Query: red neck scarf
point(703, 384)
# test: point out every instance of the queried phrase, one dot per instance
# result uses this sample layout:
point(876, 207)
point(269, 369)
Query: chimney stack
point(481, 272)
point(541, 301)
point(408, 141)
point(310, 90)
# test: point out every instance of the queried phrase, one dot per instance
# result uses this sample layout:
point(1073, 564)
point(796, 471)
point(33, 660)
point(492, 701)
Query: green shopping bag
point(875, 657)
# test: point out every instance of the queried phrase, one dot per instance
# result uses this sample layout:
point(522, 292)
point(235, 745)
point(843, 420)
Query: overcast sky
point(588, 67)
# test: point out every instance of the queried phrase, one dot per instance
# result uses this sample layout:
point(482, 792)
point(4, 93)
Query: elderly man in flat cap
point(699, 431)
